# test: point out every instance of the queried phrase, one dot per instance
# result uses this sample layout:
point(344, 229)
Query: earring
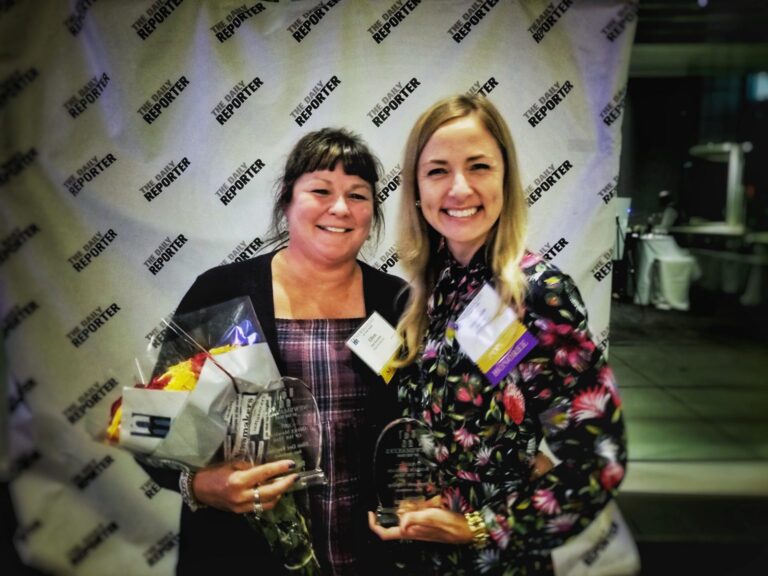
point(418, 203)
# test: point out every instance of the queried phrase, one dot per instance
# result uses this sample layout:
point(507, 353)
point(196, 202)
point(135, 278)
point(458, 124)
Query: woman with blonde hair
point(462, 234)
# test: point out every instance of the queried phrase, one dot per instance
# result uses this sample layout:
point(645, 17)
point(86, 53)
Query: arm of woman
point(431, 522)
point(572, 391)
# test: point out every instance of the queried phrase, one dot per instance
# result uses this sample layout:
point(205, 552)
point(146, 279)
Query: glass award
point(280, 422)
point(403, 467)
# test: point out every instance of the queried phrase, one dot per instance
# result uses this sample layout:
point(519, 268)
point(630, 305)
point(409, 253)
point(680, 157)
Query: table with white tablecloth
point(664, 272)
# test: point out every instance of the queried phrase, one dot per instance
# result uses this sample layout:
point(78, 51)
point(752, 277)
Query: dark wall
point(664, 117)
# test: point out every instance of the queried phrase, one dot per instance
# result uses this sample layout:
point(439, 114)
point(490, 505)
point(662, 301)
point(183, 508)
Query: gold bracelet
point(479, 530)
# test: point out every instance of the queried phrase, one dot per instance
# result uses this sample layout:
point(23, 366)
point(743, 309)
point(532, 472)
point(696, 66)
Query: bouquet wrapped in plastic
point(214, 393)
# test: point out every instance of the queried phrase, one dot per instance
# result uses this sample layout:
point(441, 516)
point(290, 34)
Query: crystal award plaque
point(403, 464)
point(281, 422)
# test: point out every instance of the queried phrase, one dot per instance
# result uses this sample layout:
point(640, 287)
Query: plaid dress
point(315, 351)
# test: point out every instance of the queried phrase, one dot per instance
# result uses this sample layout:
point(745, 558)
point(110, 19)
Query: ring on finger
point(258, 508)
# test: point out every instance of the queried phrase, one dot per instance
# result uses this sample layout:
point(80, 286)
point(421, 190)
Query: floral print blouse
point(487, 436)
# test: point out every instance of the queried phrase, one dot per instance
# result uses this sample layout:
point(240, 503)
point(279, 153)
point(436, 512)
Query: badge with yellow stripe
point(489, 333)
point(376, 343)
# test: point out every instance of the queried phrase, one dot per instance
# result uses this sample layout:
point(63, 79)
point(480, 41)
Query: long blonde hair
point(418, 242)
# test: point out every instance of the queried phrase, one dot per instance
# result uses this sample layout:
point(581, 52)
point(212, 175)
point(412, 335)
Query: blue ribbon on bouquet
point(242, 334)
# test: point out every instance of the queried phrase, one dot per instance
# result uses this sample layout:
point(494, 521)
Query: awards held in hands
point(279, 422)
point(216, 394)
point(403, 467)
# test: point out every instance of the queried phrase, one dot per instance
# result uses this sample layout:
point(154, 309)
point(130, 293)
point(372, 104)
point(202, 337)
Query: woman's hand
point(230, 486)
point(426, 521)
point(429, 521)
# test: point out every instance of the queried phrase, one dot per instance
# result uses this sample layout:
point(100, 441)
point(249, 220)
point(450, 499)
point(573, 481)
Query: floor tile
point(627, 375)
point(673, 440)
point(752, 435)
point(652, 402)
point(726, 402)
point(733, 479)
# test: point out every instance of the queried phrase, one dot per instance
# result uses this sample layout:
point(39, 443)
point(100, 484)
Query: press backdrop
point(140, 145)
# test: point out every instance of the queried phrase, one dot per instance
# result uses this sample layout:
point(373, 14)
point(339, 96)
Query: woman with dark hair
point(462, 234)
point(310, 295)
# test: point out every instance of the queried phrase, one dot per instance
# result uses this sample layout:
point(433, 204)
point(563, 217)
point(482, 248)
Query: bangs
point(355, 161)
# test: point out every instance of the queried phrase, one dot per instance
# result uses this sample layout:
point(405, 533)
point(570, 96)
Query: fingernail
point(292, 465)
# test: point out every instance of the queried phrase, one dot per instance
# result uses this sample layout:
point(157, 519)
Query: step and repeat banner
point(140, 145)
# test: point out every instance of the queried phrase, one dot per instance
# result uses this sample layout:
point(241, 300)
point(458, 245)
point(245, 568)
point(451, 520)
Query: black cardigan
point(212, 541)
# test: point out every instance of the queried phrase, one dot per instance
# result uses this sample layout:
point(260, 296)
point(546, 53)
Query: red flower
point(467, 475)
point(590, 404)
point(573, 348)
point(463, 394)
point(607, 379)
point(465, 438)
point(611, 475)
point(514, 403)
point(452, 499)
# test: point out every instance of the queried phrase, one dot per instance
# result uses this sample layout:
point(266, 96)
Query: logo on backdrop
point(159, 549)
point(236, 97)
point(95, 538)
point(159, 333)
point(155, 15)
point(551, 99)
point(86, 95)
point(608, 192)
point(483, 89)
point(392, 101)
point(164, 253)
point(545, 181)
point(612, 111)
point(225, 29)
point(550, 251)
point(18, 392)
point(470, 19)
point(24, 462)
point(244, 251)
point(314, 99)
point(303, 25)
point(388, 184)
point(618, 23)
point(16, 164)
point(547, 19)
point(162, 99)
point(150, 488)
point(164, 179)
point(92, 249)
point(23, 533)
point(91, 472)
point(602, 268)
point(17, 315)
point(15, 240)
point(387, 260)
point(602, 339)
point(392, 18)
point(88, 173)
point(74, 22)
point(89, 400)
point(15, 84)
point(91, 324)
point(238, 180)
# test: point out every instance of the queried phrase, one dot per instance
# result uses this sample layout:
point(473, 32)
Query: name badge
point(376, 343)
point(491, 335)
